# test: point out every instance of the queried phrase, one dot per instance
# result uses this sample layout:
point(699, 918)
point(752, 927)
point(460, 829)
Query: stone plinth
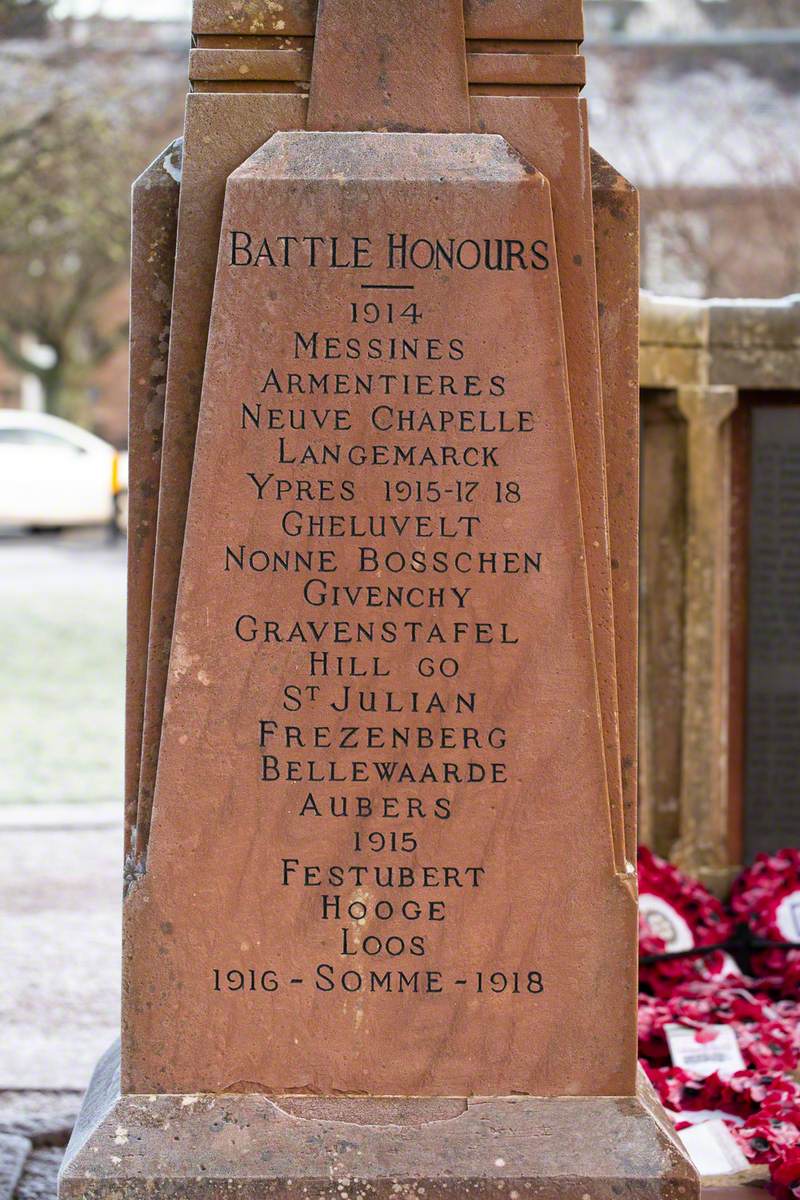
point(252, 1146)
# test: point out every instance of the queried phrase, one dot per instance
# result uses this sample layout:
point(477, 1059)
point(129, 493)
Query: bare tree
point(713, 150)
point(74, 132)
point(24, 18)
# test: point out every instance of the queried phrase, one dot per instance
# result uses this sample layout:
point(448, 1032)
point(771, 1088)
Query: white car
point(54, 474)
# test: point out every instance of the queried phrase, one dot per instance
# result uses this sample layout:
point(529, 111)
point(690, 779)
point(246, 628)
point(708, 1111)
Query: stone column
point(702, 848)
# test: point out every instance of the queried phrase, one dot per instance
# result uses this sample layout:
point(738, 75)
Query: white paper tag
point(729, 967)
point(787, 917)
point(665, 922)
point(713, 1149)
point(696, 1116)
point(703, 1051)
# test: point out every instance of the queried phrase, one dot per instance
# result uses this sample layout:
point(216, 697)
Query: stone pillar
point(278, 1040)
point(702, 846)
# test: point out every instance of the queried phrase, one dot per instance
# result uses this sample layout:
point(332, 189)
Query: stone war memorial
point(380, 912)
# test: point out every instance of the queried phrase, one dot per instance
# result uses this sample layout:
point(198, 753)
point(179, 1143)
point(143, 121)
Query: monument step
point(345, 1148)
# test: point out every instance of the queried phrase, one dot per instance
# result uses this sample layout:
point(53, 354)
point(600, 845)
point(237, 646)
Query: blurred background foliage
point(24, 18)
point(82, 111)
point(696, 101)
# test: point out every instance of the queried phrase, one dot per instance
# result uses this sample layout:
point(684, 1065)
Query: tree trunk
point(53, 387)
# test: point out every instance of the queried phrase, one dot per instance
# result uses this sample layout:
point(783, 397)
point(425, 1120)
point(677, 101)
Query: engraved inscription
point(383, 707)
point(395, 399)
point(772, 821)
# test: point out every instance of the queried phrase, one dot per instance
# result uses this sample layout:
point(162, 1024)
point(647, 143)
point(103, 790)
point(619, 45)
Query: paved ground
point(34, 1129)
point(62, 605)
point(60, 902)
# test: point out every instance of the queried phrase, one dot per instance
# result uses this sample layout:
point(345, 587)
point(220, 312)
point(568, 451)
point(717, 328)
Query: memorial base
point(254, 1146)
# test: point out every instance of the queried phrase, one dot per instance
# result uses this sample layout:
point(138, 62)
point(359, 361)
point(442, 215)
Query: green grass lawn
point(62, 645)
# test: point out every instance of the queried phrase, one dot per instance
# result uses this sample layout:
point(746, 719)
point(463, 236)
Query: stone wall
point(704, 366)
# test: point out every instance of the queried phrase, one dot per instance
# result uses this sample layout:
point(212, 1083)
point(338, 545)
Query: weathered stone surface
point(249, 66)
point(213, 1146)
point(526, 70)
point(391, 82)
point(153, 233)
point(13, 1152)
point(704, 785)
point(553, 135)
point(747, 346)
point(220, 132)
point(766, 324)
point(547, 20)
point(285, 1077)
point(616, 227)
point(753, 345)
point(257, 68)
point(581, 1023)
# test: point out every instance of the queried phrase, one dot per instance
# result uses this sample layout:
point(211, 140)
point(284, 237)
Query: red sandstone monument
point(380, 913)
